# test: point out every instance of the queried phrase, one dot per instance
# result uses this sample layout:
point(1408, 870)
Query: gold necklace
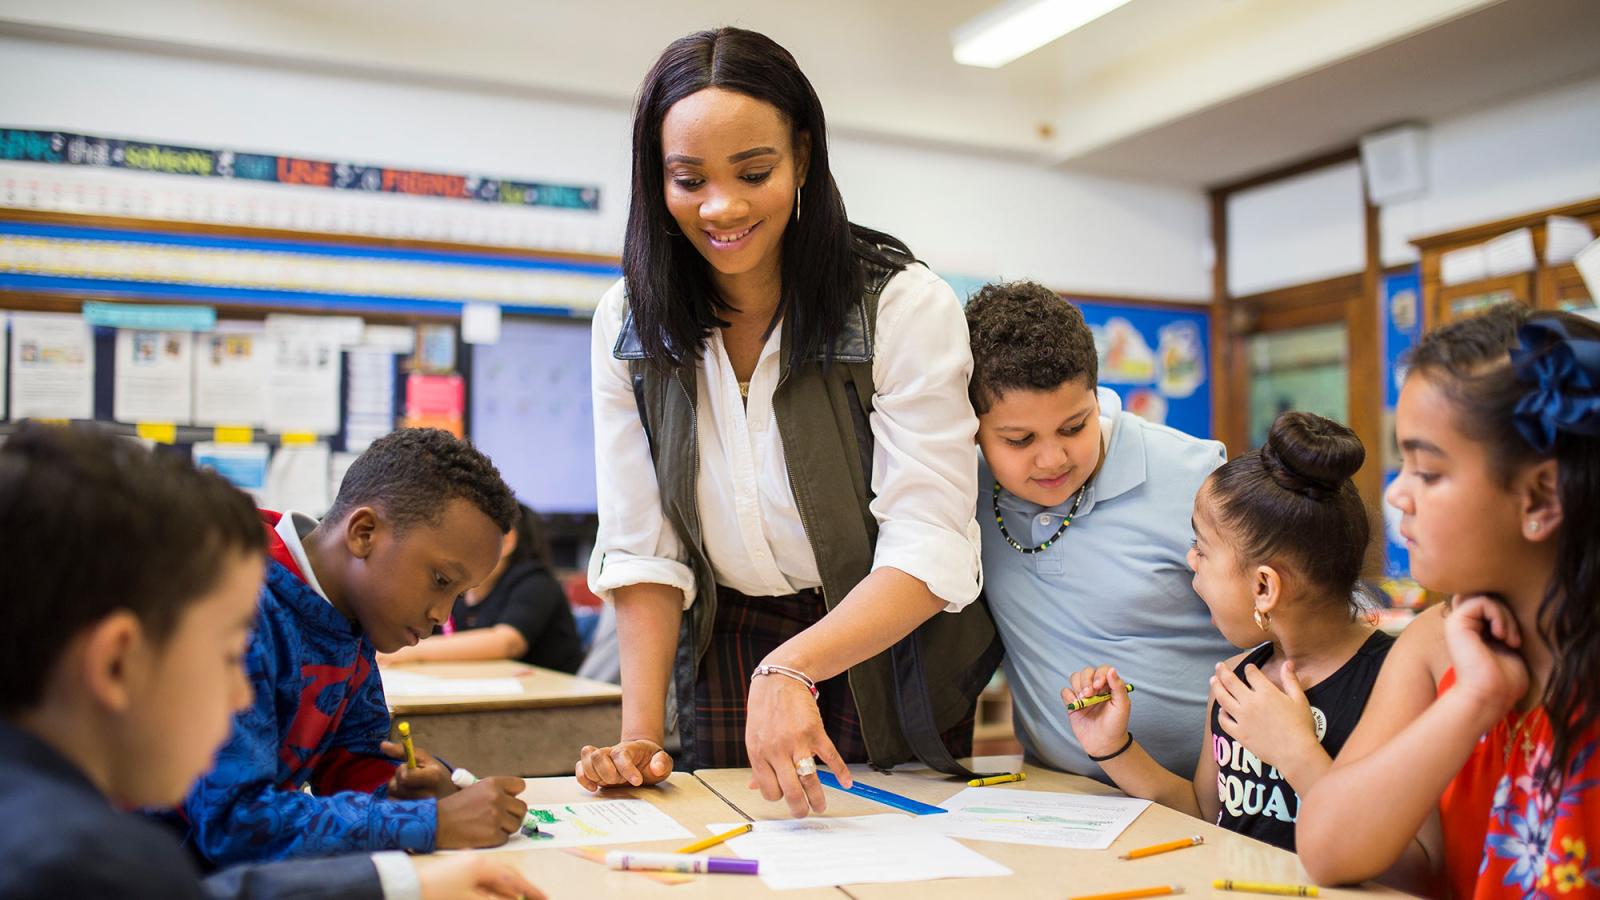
point(1527, 739)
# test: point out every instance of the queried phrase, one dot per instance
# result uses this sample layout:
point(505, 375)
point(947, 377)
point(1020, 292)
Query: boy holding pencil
point(418, 520)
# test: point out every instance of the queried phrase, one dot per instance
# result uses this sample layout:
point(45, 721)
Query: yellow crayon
point(1258, 887)
point(715, 839)
point(998, 779)
point(405, 738)
point(1087, 702)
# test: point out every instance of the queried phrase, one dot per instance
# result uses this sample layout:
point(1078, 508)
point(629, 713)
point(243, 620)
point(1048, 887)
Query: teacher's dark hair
point(670, 291)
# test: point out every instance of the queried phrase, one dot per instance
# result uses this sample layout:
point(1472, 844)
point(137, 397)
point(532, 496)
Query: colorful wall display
point(1157, 359)
point(66, 148)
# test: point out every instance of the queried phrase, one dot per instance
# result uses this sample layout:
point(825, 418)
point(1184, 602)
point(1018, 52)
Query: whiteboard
point(531, 411)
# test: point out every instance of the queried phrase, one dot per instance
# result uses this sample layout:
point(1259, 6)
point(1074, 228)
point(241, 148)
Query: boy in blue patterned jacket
point(308, 770)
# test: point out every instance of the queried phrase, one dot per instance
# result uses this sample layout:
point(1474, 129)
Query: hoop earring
point(797, 203)
point(671, 233)
point(1263, 620)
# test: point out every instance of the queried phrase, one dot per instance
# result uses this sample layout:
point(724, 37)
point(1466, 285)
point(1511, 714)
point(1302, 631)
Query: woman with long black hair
point(786, 466)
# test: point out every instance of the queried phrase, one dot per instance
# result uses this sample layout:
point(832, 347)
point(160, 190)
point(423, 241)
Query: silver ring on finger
point(804, 767)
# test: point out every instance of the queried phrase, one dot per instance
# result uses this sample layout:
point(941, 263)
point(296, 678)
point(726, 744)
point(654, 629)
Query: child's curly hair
point(1026, 336)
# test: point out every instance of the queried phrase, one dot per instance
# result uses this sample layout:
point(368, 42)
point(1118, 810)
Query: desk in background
point(536, 731)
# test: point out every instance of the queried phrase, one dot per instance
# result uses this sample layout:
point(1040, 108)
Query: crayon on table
point(998, 779)
point(1261, 887)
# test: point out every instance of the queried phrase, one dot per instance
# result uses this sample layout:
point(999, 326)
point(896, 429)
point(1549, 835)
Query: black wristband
point(1119, 752)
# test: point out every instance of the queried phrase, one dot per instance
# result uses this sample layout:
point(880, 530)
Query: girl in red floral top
point(1476, 758)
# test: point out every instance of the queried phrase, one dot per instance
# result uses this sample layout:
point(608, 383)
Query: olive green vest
point(929, 681)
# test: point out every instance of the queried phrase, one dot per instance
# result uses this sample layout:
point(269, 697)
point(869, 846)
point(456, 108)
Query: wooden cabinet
point(1545, 287)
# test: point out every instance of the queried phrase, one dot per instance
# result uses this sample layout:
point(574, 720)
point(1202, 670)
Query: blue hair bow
point(1564, 372)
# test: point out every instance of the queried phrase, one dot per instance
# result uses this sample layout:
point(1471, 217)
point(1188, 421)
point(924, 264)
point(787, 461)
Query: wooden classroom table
point(1047, 871)
point(563, 876)
point(536, 732)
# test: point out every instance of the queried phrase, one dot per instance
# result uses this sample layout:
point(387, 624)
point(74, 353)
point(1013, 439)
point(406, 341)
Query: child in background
point(1486, 711)
point(1280, 534)
point(130, 676)
point(519, 612)
point(418, 521)
point(1085, 522)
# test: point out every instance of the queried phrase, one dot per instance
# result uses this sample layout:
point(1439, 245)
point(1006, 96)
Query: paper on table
point(1040, 818)
point(810, 853)
point(597, 822)
point(397, 683)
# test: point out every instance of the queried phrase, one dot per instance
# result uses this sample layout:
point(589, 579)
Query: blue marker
point(879, 795)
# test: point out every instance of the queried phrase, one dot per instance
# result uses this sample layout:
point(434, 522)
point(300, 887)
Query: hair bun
point(1311, 455)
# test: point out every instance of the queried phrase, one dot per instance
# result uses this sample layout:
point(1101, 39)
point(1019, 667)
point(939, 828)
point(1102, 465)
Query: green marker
point(1087, 702)
point(461, 778)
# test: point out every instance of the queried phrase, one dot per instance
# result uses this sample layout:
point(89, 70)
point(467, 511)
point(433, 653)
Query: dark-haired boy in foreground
point(134, 578)
point(418, 520)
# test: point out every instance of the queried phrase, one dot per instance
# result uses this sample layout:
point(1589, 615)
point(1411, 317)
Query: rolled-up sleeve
point(925, 460)
point(635, 543)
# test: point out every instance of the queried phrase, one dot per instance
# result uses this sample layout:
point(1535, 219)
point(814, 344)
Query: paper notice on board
point(5, 367)
point(297, 479)
point(303, 387)
point(344, 331)
point(245, 465)
point(153, 377)
point(480, 323)
point(231, 369)
point(52, 366)
point(369, 413)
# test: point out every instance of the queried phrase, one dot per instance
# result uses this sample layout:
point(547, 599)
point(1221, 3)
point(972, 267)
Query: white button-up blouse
point(924, 466)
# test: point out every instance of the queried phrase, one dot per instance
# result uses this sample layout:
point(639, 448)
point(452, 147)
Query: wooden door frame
point(1354, 298)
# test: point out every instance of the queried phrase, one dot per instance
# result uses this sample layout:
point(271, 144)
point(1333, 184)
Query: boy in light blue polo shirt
point(1085, 514)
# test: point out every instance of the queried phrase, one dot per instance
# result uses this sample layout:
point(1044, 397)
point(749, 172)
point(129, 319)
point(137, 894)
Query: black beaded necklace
point(998, 520)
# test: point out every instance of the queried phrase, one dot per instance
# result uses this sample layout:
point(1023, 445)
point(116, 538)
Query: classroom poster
point(1402, 315)
point(303, 387)
point(297, 478)
point(369, 411)
point(153, 377)
point(52, 366)
point(244, 465)
point(231, 370)
point(5, 365)
point(1157, 359)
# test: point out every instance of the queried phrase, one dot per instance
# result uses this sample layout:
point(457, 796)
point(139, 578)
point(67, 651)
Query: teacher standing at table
point(784, 447)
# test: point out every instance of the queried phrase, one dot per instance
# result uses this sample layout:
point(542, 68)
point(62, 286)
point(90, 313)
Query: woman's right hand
point(632, 763)
point(1102, 728)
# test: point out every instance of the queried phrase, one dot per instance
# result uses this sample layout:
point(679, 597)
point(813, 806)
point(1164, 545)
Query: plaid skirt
point(746, 629)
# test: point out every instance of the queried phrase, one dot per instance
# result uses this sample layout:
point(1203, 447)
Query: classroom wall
point(963, 213)
point(1528, 154)
point(1296, 231)
point(1525, 154)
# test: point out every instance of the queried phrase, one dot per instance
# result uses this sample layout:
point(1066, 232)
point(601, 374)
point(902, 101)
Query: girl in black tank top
point(1280, 535)
point(1256, 798)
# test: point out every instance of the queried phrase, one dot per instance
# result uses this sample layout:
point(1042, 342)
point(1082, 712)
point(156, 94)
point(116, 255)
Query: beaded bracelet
point(796, 674)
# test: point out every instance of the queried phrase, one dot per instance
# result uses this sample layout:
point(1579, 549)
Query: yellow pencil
point(998, 779)
point(1160, 890)
point(1087, 702)
point(1169, 846)
point(714, 840)
point(405, 738)
point(1258, 887)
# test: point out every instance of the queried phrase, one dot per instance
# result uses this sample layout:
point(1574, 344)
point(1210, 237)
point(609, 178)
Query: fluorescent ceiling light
point(1018, 27)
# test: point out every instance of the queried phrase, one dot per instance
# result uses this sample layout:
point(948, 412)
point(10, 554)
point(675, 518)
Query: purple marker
point(679, 862)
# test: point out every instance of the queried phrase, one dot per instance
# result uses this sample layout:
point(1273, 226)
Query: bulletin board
point(1157, 358)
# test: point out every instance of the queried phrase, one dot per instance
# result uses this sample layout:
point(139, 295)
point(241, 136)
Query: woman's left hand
point(1276, 725)
point(782, 729)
